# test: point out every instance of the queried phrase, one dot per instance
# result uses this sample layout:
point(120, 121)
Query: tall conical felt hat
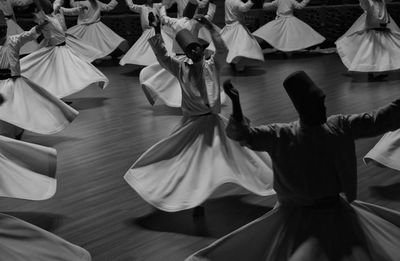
point(46, 6)
point(3, 22)
point(189, 10)
point(303, 92)
point(185, 39)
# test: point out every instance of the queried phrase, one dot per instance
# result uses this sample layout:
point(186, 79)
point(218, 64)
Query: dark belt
point(324, 202)
point(8, 16)
point(6, 74)
point(61, 44)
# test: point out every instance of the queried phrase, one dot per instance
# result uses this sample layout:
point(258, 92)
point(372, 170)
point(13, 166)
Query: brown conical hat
point(185, 39)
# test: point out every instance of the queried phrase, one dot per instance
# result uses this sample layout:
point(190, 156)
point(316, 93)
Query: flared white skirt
point(241, 44)
point(31, 107)
point(27, 170)
point(288, 33)
point(12, 29)
point(182, 170)
point(61, 71)
point(141, 52)
point(99, 36)
point(386, 152)
point(370, 50)
point(79, 47)
point(159, 84)
point(355, 232)
point(21, 241)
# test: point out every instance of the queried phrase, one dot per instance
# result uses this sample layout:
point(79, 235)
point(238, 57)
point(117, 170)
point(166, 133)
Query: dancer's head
point(3, 25)
point(307, 97)
point(46, 6)
point(190, 45)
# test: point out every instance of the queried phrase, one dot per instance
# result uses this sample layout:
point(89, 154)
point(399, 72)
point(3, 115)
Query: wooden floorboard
point(96, 209)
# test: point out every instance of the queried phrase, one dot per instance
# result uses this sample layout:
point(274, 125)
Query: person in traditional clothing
point(243, 48)
point(12, 27)
point(91, 30)
point(80, 47)
point(181, 5)
point(141, 52)
point(182, 170)
point(287, 33)
point(28, 105)
point(157, 82)
point(57, 67)
point(317, 216)
point(27, 171)
point(372, 44)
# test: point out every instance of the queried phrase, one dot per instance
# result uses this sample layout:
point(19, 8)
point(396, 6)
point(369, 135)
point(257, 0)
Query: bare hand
point(40, 26)
point(57, 9)
point(204, 21)
point(155, 22)
point(230, 90)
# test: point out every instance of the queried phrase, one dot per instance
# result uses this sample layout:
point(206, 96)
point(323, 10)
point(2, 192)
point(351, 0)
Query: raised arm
point(107, 7)
point(57, 4)
point(17, 41)
point(300, 5)
point(221, 51)
point(73, 11)
point(21, 2)
point(211, 11)
point(72, 3)
point(262, 138)
point(133, 7)
point(168, 3)
point(269, 5)
point(364, 4)
point(244, 7)
point(157, 44)
point(374, 123)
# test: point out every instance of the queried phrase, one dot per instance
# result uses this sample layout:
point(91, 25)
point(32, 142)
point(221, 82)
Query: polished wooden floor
point(96, 209)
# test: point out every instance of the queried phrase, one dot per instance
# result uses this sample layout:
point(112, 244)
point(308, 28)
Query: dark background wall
point(331, 18)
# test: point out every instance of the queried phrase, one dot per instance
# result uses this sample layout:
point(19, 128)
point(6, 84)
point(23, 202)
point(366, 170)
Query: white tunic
point(93, 13)
point(28, 105)
point(182, 170)
point(234, 10)
point(288, 33)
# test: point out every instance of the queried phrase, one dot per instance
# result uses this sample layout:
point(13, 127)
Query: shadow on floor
point(86, 103)
point(134, 72)
point(46, 221)
point(390, 192)
point(222, 216)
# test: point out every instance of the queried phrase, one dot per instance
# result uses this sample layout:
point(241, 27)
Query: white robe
point(286, 32)
point(367, 46)
point(182, 170)
point(28, 105)
point(60, 69)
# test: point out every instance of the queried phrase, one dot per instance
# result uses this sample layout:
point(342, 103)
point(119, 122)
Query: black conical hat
point(302, 91)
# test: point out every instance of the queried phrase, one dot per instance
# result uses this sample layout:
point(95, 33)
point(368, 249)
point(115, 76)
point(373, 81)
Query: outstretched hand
point(155, 22)
point(204, 21)
point(231, 91)
point(40, 26)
